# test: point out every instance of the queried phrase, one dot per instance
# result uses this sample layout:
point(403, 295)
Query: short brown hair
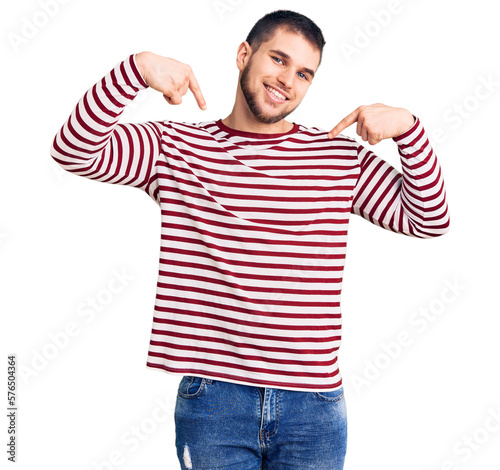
point(265, 28)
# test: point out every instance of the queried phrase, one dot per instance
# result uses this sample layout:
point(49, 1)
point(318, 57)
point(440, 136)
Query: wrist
point(141, 60)
point(407, 121)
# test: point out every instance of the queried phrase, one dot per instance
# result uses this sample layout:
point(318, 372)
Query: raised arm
point(412, 202)
point(92, 144)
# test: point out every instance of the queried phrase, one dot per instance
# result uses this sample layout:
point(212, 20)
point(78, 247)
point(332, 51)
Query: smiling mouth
point(275, 94)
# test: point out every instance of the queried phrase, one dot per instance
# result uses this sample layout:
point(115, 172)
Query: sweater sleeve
point(92, 144)
point(412, 202)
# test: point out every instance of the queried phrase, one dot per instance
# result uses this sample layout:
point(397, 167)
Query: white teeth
point(276, 93)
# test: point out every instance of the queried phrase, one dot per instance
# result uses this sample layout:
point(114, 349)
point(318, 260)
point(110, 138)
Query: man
point(255, 211)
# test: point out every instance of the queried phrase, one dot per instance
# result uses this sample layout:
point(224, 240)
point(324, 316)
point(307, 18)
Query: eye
point(302, 75)
point(277, 60)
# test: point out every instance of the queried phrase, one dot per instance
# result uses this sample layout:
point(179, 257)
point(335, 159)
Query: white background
point(429, 404)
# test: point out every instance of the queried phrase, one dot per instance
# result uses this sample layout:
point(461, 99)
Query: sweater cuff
point(408, 132)
point(412, 141)
point(134, 74)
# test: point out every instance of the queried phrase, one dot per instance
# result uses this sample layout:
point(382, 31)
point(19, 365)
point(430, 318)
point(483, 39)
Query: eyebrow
point(284, 55)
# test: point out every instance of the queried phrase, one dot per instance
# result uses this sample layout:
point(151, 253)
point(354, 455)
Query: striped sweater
point(254, 230)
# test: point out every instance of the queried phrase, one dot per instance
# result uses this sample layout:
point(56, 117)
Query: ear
point(243, 55)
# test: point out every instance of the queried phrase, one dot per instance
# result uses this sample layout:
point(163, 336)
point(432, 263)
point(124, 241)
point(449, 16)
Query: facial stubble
point(252, 101)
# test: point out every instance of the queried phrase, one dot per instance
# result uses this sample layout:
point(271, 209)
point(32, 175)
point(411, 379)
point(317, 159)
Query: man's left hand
point(376, 122)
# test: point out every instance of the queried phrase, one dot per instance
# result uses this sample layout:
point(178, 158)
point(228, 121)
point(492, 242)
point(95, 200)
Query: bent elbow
point(437, 230)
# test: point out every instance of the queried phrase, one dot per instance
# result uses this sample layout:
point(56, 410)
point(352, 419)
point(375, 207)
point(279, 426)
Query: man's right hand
point(170, 77)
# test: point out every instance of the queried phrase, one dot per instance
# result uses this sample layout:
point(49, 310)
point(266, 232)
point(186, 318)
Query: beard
point(251, 99)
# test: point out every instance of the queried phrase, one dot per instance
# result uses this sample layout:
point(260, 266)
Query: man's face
point(278, 75)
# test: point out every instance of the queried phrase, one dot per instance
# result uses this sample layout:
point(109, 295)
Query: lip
point(274, 98)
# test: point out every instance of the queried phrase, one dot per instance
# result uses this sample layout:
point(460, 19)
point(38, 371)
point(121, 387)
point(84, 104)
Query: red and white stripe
point(254, 230)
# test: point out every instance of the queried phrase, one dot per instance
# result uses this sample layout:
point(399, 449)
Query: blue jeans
point(222, 425)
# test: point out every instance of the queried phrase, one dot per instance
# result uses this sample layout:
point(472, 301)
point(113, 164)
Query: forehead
point(301, 51)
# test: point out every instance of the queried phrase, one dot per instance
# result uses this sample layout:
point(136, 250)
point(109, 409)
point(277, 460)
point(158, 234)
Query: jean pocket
point(191, 386)
point(333, 396)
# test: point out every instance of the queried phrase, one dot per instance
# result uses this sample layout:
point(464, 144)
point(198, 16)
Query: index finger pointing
point(196, 90)
point(346, 122)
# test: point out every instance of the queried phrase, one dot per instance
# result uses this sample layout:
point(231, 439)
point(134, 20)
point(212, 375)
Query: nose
point(286, 76)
